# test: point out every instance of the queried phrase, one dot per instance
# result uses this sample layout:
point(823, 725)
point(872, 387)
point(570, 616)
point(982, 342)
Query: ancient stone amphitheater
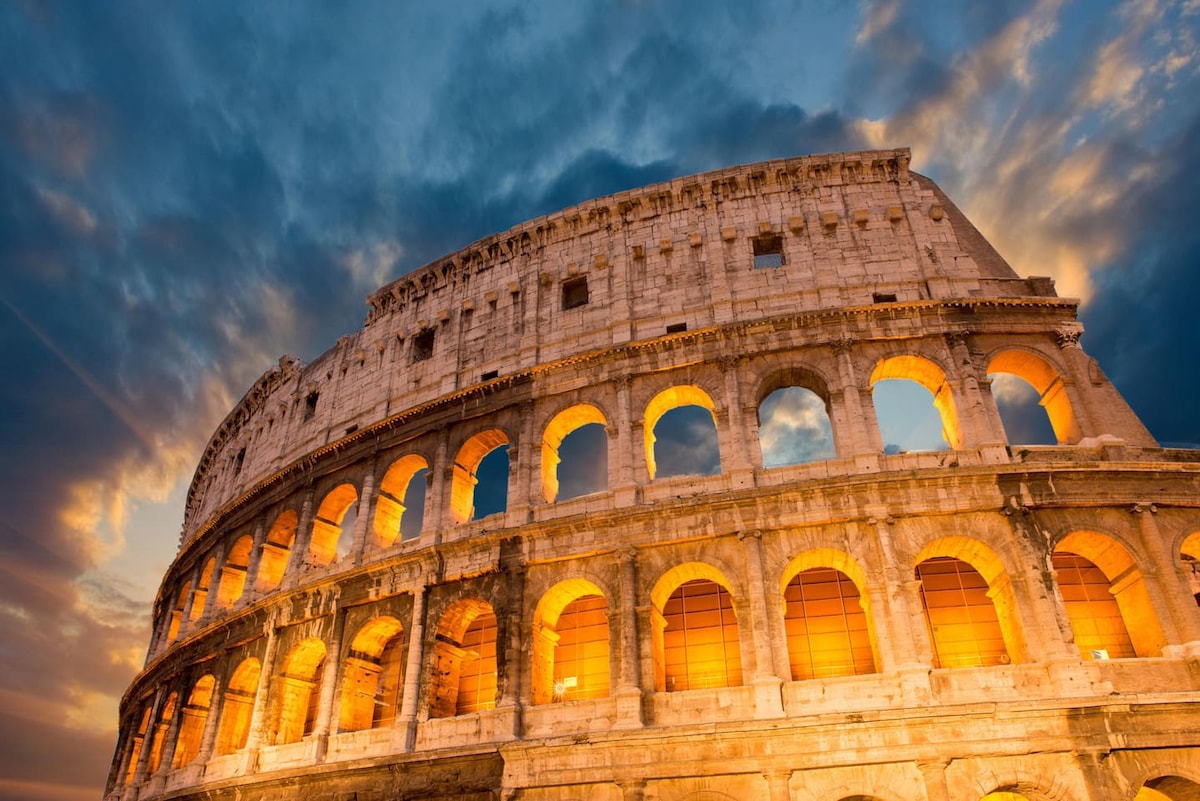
point(347, 619)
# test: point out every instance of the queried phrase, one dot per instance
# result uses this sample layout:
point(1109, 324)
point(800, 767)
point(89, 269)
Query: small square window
point(884, 297)
point(574, 292)
point(676, 328)
point(489, 375)
point(422, 347)
point(768, 252)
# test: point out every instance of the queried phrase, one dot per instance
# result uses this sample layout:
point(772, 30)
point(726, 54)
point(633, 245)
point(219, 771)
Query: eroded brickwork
point(994, 620)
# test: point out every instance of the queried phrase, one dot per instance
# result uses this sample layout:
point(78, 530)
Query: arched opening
point(1172, 787)
point(298, 694)
point(177, 611)
point(914, 405)
point(333, 526)
point(681, 434)
point(1112, 612)
point(200, 592)
point(1021, 414)
point(464, 656)
point(964, 627)
point(571, 644)
point(1049, 391)
point(827, 629)
point(793, 419)
point(276, 550)
point(580, 434)
point(160, 734)
point(233, 572)
point(695, 633)
point(139, 741)
point(194, 718)
point(373, 676)
point(400, 504)
point(237, 707)
point(1189, 554)
point(479, 486)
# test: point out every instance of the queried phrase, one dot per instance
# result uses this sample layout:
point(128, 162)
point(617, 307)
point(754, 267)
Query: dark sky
point(189, 191)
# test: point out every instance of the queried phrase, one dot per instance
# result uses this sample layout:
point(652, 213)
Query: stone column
point(299, 555)
point(510, 690)
point(777, 784)
point(629, 684)
point(621, 476)
point(934, 774)
point(406, 721)
point(256, 549)
point(768, 701)
point(863, 429)
point(731, 435)
point(258, 714)
point(632, 790)
point(898, 615)
point(167, 759)
point(1087, 417)
point(524, 476)
point(216, 705)
point(437, 491)
point(328, 689)
point(1183, 615)
point(980, 419)
point(362, 519)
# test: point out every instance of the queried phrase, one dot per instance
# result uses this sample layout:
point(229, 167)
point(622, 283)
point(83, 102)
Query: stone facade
point(991, 621)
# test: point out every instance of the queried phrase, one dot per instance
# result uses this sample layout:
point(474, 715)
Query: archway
point(571, 644)
point(793, 419)
point(237, 707)
point(899, 404)
point(194, 718)
point(276, 550)
point(1048, 385)
point(298, 693)
point(696, 636)
point(683, 418)
point(579, 431)
point(373, 676)
point(333, 525)
point(469, 471)
point(402, 485)
point(233, 572)
point(464, 660)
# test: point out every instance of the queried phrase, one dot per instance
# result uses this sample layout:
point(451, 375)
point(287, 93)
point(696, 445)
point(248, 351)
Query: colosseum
point(454, 557)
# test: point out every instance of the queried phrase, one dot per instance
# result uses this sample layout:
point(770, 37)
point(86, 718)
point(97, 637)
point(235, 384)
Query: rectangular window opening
point(676, 328)
point(489, 375)
point(884, 297)
point(310, 405)
point(237, 463)
point(422, 346)
point(574, 292)
point(768, 252)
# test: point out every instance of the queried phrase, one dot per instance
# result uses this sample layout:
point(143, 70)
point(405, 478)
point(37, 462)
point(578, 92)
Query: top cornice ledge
point(831, 169)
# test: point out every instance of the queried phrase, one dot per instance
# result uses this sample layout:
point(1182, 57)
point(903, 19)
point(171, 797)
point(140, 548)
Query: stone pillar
point(167, 759)
point(1051, 626)
point(731, 435)
point(299, 555)
point(863, 429)
point(1087, 417)
point(768, 700)
point(216, 704)
point(214, 581)
point(632, 790)
point(980, 419)
point(910, 591)
point(934, 774)
point(777, 784)
point(898, 616)
point(1183, 622)
point(258, 714)
point(621, 475)
point(256, 550)
point(629, 684)
point(362, 520)
point(328, 689)
point(406, 721)
point(438, 479)
point(139, 772)
point(524, 476)
point(510, 690)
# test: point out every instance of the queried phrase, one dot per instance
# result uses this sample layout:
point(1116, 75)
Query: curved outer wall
point(276, 621)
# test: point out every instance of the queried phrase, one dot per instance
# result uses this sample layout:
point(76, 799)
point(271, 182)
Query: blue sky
point(189, 191)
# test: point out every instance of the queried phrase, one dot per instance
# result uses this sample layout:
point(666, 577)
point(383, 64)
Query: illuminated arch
point(827, 618)
point(193, 720)
point(237, 706)
point(1044, 378)
point(695, 630)
point(796, 428)
point(330, 539)
point(200, 592)
point(139, 742)
point(276, 550)
point(389, 503)
point(668, 400)
point(298, 685)
point(969, 605)
point(571, 643)
point(1169, 787)
point(176, 619)
point(466, 464)
point(559, 428)
point(1132, 628)
point(930, 376)
point(464, 660)
point(372, 676)
point(158, 740)
point(233, 572)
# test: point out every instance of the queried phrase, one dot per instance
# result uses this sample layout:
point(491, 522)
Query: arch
point(276, 550)
point(1047, 382)
point(969, 605)
point(668, 400)
point(390, 510)
point(298, 686)
point(464, 660)
point(1169, 786)
point(571, 643)
point(158, 740)
point(139, 741)
point(200, 591)
point(237, 706)
point(176, 619)
point(929, 375)
point(827, 626)
point(696, 639)
point(561, 426)
point(794, 423)
point(373, 675)
point(233, 572)
point(193, 720)
point(466, 466)
point(1110, 612)
point(330, 538)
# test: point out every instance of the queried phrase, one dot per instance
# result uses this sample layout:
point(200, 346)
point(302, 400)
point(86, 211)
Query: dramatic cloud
point(189, 192)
